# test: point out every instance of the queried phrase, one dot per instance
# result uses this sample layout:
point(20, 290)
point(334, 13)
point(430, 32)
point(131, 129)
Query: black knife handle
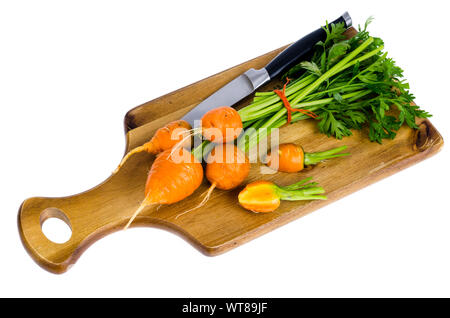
point(300, 48)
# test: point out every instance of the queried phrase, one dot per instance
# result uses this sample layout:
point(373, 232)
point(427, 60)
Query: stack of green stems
point(267, 111)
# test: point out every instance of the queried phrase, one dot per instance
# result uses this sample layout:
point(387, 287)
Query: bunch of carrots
point(346, 84)
point(227, 166)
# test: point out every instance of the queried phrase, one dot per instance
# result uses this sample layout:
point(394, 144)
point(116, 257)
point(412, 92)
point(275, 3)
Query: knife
point(248, 82)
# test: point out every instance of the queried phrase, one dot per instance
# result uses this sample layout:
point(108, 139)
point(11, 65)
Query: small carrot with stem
point(172, 177)
point(266, 196)
point(164, 138)
point(169, 181)
point(219, 125)
point(227, 167)
point(291, 158)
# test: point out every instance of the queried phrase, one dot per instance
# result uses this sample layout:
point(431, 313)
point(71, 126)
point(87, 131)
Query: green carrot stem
point(258, 123)
point(296, 185)
point(342, 88)
point(303, 184)
point(202, 150)
point(267, 101)
point(316, 157)
point(304, 197)
point(263, 94)
point(362, 58)
point(301, 194)
point(334, 70)
point(278, 106)
point(248, 123)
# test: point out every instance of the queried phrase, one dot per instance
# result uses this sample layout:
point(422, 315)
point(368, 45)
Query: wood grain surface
point(221, 224)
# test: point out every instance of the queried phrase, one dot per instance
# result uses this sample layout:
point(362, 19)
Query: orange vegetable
point(163, 139)
point(227, 168)
point(172, 177)
point(288, 158)
point(291, 157)
point(260, 196)
point(221, 125)
point(265, 196)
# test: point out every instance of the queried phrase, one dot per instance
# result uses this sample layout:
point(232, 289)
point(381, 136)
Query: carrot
point(221, 125)
point(265, 196)
point(172, 177)
point(292, 158)
point(164, 138)
point(227, 167)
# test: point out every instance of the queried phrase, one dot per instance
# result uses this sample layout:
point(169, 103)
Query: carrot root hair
point(207, 195)
point(191, 132)
point(129, 154)
point(143, 205)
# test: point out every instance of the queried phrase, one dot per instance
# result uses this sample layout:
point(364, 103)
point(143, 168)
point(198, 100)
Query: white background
point(69, 71)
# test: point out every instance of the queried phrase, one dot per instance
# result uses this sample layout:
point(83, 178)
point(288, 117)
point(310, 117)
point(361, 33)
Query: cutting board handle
point(54, 257)
point(90, 215)
point(57, 257)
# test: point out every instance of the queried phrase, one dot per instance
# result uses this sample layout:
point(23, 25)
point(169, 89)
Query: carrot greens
point(347, 84)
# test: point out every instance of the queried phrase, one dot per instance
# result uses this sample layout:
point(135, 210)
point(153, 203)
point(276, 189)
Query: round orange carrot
point(168, 136)
point(227, 167)
point(288, 158)
point(265, 196)
point(222, 124)
point(172, 177)
point(164, 138)
point(291, 157)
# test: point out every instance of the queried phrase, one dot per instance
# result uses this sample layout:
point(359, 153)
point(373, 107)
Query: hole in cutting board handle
point(55, 225)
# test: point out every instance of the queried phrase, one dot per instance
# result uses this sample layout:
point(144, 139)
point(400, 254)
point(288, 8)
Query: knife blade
point(248, 82)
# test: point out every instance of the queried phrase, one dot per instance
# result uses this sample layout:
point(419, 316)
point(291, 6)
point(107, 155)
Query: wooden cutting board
point(221, 224)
